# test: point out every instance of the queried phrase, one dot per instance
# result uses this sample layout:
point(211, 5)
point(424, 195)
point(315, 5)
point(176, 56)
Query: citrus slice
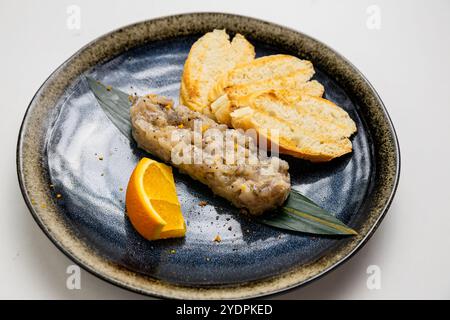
point(152, 203)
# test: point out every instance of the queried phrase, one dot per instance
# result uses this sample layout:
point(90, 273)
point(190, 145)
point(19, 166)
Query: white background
point(407, 61)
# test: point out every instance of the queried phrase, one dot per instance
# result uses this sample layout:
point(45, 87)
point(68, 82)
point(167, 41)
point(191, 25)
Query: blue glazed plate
point(68, 147)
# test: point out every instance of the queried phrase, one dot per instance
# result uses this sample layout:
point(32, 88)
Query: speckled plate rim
point(32, 174)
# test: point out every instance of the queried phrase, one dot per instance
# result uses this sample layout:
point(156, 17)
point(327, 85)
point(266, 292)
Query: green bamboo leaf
point(115, 103)
point(299, 213)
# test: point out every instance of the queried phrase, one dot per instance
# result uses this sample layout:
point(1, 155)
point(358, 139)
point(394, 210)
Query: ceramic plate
point(67, 146)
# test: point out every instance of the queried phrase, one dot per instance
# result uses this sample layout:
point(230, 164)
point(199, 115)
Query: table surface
point(402, 47)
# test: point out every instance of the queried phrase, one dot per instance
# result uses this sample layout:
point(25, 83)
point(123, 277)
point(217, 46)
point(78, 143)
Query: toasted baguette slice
point(269, 72)
point(310, 127)
point(237, 96)
point(210, 57)
point(294, 83)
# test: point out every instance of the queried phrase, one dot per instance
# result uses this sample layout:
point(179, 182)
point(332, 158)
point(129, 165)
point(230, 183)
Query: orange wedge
point(152, 203)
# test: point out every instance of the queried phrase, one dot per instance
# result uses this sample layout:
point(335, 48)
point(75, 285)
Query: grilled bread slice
point(209, 59)
point(235, 96)
point(269, 71)
point(306, 127)
point(294, 83)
